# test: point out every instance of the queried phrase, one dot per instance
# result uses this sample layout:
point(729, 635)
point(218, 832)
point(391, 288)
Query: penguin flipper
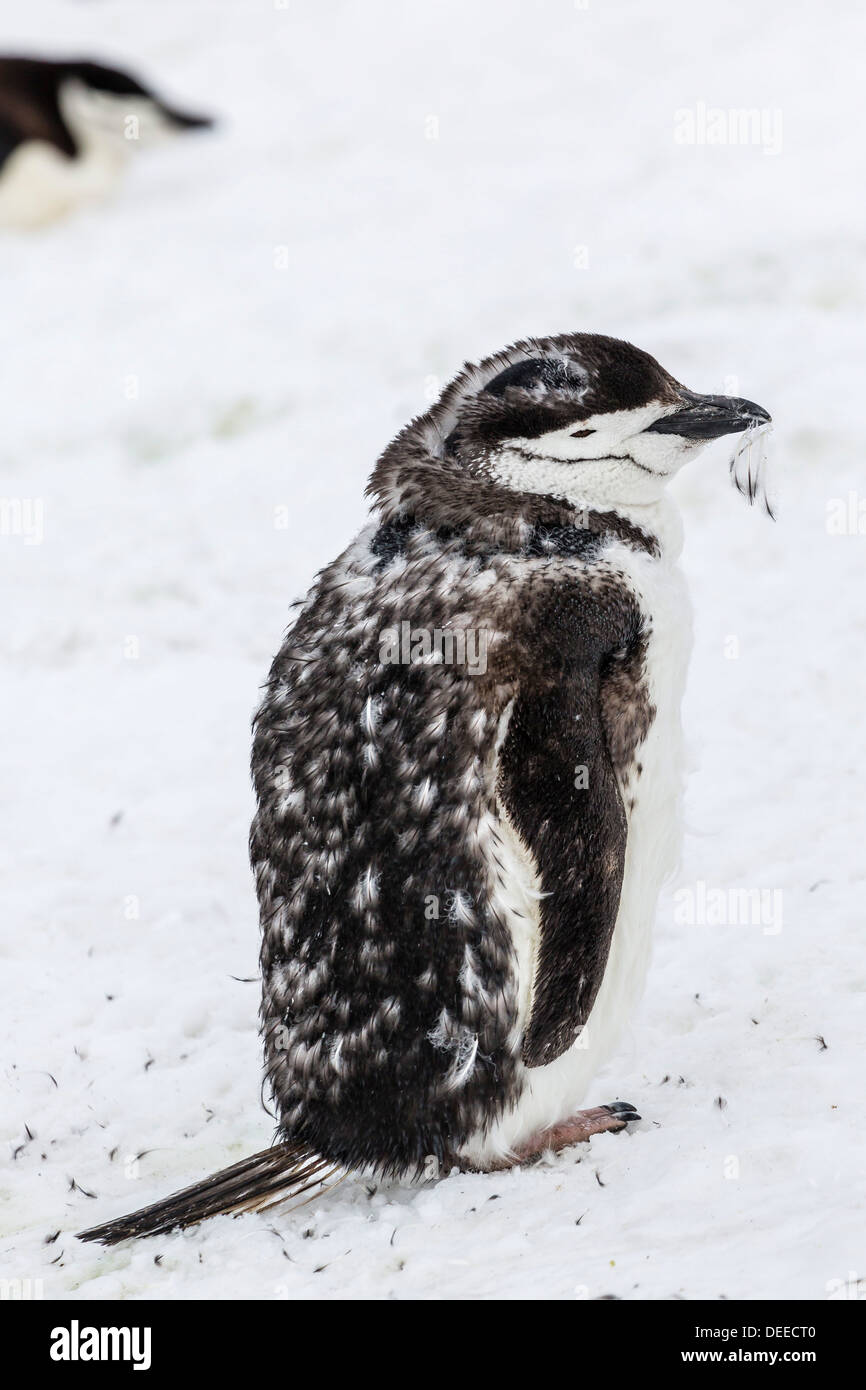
point(257, 1182)
point(573, 822)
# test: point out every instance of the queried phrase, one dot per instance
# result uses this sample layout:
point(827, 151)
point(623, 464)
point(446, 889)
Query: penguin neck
point(410, 485)
point(96, 138)
point(660, 518)
point(599, 485)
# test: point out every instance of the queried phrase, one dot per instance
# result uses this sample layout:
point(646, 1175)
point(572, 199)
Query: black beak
point(709, 417)
point(186, 120)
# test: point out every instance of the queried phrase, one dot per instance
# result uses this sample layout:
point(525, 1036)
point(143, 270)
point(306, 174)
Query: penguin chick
point(66, 130)
point(467, 767)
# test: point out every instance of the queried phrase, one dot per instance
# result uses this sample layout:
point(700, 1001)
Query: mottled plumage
point(466, 767)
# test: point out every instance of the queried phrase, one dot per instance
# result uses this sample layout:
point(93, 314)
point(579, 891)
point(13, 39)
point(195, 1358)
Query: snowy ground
point(240, 333)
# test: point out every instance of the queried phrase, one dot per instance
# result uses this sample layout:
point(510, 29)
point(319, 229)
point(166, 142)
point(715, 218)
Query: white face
point(124, 122)
point(606, 458)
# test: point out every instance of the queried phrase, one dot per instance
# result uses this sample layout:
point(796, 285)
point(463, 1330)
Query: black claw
point(622, 1110)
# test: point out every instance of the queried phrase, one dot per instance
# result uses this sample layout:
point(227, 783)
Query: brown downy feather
point(263, 1180)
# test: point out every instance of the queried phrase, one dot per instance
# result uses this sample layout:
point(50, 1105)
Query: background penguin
point(66, 130)
point(458, 857)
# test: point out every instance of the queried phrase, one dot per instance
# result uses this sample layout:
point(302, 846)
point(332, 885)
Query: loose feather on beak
point(749, 467)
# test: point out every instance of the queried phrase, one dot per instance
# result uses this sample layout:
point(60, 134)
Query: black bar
point(272, 1336)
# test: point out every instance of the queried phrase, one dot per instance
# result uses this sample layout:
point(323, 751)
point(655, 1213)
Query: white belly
point(38, 184)
point(552, 1093)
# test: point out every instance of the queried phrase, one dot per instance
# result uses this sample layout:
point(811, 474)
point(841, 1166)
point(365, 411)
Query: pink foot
point(577, 1129)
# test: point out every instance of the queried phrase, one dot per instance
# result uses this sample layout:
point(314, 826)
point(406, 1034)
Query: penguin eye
point(581, 434)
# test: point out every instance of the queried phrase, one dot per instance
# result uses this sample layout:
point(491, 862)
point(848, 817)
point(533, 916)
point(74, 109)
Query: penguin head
point(113, 107)
point(582, 417)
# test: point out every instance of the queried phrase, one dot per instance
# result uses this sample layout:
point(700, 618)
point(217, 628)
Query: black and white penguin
point(66, 130)
point(467, 765)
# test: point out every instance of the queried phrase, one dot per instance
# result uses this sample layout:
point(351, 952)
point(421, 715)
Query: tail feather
point(254, 1184)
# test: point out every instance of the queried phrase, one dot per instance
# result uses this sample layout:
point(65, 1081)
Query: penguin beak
point(185, 120)
point(709, 417)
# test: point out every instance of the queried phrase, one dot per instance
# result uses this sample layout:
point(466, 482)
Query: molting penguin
point(66, 130)
point(467, 770)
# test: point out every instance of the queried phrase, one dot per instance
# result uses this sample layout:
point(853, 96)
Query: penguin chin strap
point(749, 467)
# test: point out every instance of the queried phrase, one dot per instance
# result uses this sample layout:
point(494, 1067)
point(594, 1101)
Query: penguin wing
point(570, 732)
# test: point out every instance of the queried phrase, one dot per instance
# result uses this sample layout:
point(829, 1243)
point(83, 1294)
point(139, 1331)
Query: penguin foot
point(577, 1129)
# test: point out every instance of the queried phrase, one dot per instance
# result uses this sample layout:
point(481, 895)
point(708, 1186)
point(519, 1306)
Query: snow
point(198, 377)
